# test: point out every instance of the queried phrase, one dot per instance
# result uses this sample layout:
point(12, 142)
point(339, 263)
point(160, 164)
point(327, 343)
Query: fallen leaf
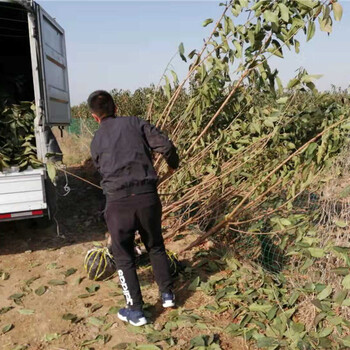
point(5, 309)
point(7, 328)
point(70, 271)
point(194, 284)
point(31, 280)
point(85, 295)
point(26, 311)
point(41, 290)
point(79, 280)
point(51, 336)
point(57, 282)
point(16, 296)
point(96, 307)
point(93, 288)
point(113, 310)
point(71, 317)
point(95, 321)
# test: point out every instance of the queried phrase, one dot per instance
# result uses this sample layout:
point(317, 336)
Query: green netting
point(79, 125)
point(269, 248)
point(74, 127)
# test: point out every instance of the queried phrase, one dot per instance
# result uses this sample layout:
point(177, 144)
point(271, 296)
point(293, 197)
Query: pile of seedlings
point(17, 140)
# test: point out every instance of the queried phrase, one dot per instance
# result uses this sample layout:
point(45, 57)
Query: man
point(122, 152)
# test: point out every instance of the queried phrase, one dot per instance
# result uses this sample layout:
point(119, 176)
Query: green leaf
point(325, 293)
point(310, 77)
point(317, 252)
point(194, 284)
point(293, 298)
point(310, 31)
point(340, 296)
point(260, 307)
point(41, 290)
point(93, 288)
point(147, 347)
point(272, 313)
point(16, 296)
point(51, 266)
point(89, 342)
point(175, 77)
point(325, 332)
point(69, 317)
point(79, 280)
point(271, 16)
point(95, 321)
point(96, 307)
point(337, 11)
point(70, 271)
point(345, 192)
point(282, 100)
point(346, 282)
point(7, 328)
point(340, 223)
point(182, 52)
point(20, 347)
point(31, 280)
point(207, 22)
point(285, 222)
point(5, 309)
point(342, 271)
point(238, 48)
point(51, 171)
point(57, 282)
point(308, 3)
point(266, 342)
point(83, 296)
point(346, 340)
point(26, 311)
point(326, 24)
point(51, 336)
point(113, 310)
point(284, 12)
point(198, 341)
point(107, 326)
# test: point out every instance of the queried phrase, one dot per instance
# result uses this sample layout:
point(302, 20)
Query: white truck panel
point(22, 191)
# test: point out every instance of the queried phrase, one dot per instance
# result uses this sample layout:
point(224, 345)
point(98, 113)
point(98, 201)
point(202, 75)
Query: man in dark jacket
point(122, 152)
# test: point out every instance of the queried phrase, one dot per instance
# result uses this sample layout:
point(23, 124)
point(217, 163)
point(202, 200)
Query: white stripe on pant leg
point(125, 288)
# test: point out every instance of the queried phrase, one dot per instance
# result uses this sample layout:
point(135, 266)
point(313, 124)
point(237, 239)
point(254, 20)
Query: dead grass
point(75, 148)
point(333, 230)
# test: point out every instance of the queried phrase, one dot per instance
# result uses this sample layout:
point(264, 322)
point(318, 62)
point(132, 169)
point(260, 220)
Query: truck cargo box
point(22, 194)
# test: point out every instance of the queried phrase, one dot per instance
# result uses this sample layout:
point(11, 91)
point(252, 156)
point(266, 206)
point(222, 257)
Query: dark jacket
point(122, 152)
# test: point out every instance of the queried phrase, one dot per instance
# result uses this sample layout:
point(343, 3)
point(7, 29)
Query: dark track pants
point(125, 216)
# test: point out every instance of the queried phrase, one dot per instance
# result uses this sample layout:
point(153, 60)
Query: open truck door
point(53, 70)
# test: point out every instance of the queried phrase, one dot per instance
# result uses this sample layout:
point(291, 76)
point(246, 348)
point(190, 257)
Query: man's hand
point(171, 171)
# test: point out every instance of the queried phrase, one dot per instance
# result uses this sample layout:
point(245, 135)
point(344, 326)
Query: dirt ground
point(34, 255)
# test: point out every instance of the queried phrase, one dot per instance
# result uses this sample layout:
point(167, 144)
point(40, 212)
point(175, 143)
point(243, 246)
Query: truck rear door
point(53, 69)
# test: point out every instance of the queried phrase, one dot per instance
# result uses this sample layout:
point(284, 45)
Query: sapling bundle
point(99, 264)
point(250, 146)
point(17, 139)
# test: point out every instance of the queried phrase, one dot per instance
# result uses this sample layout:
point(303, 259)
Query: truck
point(33, 44)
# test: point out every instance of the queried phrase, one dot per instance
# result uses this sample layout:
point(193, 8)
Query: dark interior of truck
point(16, 82)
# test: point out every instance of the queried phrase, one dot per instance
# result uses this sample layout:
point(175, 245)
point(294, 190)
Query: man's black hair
point(101, 103)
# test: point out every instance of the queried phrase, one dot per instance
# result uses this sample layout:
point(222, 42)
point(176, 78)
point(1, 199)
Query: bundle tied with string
point(99, 264)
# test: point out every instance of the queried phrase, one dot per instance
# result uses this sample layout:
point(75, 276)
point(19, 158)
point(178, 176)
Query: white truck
point(32, 43)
